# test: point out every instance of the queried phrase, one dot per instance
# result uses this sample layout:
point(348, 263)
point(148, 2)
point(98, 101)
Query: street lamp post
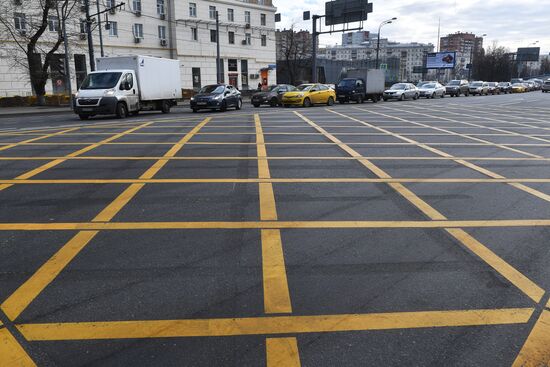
point(388, 21)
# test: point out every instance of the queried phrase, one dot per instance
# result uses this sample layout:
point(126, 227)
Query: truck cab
point(351, 89)
point(113, 92)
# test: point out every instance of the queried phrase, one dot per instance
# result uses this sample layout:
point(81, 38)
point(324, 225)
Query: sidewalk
point(26, 111)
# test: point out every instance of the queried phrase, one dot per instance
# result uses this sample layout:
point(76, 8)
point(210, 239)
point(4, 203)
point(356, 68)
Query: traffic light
point(61, 65)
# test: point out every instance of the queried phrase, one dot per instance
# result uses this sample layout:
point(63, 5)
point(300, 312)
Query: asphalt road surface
point(393, 234)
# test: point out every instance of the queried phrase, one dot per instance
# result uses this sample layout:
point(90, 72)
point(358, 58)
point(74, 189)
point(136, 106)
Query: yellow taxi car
point(518, 88)
point(308, 95)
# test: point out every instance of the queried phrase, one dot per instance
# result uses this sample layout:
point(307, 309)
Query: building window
point(247, 17)
point(82, 27)
point(160, 7)
point(20, 21)
point(231, 36)
point(232, 65)
point(212, 35)
point(248, 38)
point(162, 32)
point(244, 74)
point(53, 23)
point(261, 2)
point(264, 40)
point(136, 5)
point(192, 10)
point(194, 34)
point(230, 15)
point(113, 29)
point(109, 4)
point(196, 74)
point(138, 30)
point(212, 12)
point(262, 19)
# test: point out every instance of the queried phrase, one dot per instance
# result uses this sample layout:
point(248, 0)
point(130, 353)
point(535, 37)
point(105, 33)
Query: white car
point(432, 90)
point(401, 91)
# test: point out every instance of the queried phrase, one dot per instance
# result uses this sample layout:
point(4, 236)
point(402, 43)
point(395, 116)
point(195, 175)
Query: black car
point(351, 89)
point(457, 87)
point(273, 96)
point(216, 97)
point(505, 87)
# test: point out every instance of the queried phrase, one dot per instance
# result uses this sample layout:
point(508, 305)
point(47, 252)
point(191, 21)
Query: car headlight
point(109, 92)
point(192, 98)
point(301, 95)
point(218, 97)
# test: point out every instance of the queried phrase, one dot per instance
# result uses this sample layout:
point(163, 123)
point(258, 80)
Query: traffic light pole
point(67, 67)
point(89, 35)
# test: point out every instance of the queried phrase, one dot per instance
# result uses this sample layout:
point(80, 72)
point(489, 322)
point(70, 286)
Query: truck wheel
point(239, 104)
point(375, 99)
point(256, 105)
point(330, 101)
point(195, 110)
point(121, 110)
point(359, 100)
point(165, 107)
point(341, 101)
point(83, 116)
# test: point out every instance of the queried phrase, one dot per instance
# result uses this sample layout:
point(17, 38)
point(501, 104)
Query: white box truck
point(360, 85)
point(125, 85)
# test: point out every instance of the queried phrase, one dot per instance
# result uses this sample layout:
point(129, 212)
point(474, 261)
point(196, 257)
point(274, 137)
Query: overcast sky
point(509, 23)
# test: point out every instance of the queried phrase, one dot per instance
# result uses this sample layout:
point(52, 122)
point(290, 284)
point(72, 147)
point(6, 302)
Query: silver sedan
point(432, 90)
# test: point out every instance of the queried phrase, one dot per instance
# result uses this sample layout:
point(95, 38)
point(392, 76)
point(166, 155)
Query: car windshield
point(214, 89)
point(305, 87)
point(428, 86)
point(101, 80)
point(478, 84)
point(454, 82)
point(273, 88)
point(346, 83)
point(398, 86)
point(517, 85)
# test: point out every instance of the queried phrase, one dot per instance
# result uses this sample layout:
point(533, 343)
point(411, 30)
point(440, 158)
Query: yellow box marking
point(11, 353)
point(536, 350)
point(276, 293)
point(282, 352)
point(272, 325)
point(28, 291)
point(6, 147)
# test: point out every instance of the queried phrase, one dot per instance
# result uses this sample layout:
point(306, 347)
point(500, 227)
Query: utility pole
point(314, 35)
point(99, 27)
point(67, 70)
point(218, 61)
point(89, 35)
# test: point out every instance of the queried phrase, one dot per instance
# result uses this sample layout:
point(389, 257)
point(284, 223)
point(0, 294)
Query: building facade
point(183, 30)
point(355, 38)
point(410, 55)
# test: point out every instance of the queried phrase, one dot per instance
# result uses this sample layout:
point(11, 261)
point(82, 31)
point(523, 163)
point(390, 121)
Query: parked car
point(423, 82)
point(518, 88)
point(546, 87)
point(516, 80)
point(401, 91)
point(216, 97)
point(493, 88)
point(457, 87)
point(309, 94)
point(273, 96)
point(432, 90)
point(505, 87)
point(479, 88)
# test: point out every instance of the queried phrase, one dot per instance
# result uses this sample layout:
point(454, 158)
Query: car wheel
point(239, 104)
point(121, 110)
point(402, 97)
point(223, 106)
point(433, 95)
point(273, 102)
point(256, 105)
point(165, 107)
point(194, 110)
point(442, 95)
point(330, 101)
point(307, 102)
point(83, 116)
point(416, 96)
point(385, 99)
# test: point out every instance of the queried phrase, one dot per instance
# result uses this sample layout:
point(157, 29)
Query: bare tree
point(36, 31)
point(294, 51)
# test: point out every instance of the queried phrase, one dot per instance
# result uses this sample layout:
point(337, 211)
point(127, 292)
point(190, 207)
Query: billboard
point(346, 11)
point(441, 60)
point(528, 54)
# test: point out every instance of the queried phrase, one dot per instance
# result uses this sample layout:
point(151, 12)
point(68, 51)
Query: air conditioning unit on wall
point(163, 43)
point(244, 42)
point(137, 40)
point(162, 16)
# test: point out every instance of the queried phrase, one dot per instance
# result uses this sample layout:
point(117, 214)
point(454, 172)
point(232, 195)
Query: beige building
point(183, 30)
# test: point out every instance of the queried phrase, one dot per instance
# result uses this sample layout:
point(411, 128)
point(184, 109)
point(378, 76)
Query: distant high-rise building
point(355, 38)
point(463, 43)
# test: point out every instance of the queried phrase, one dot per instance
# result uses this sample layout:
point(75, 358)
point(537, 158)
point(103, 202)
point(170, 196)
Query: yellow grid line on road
point(41, 137)
point(11, 352)
point(272, 325)
point(299, 143)
point(527, 286)
point(272, 158)
point(19, 300)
